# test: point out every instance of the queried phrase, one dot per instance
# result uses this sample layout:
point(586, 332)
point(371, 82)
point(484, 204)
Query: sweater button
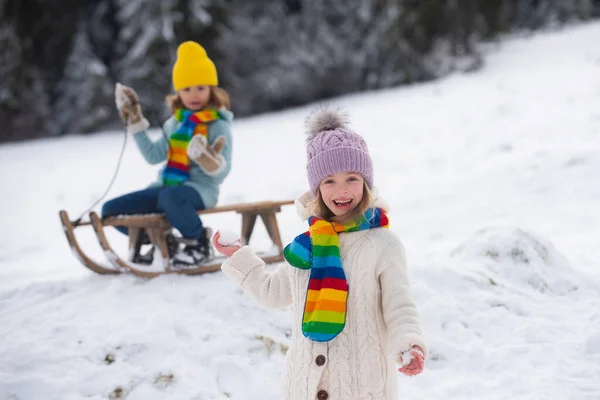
point(322, 395)
point(320, 360)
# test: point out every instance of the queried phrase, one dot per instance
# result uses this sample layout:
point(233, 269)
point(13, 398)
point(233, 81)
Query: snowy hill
point(494, 184)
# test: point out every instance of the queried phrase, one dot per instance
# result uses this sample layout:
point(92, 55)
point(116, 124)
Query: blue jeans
point(179, 203)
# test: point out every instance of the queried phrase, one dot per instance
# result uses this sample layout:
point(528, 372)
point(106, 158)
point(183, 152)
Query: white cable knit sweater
point(382, 320)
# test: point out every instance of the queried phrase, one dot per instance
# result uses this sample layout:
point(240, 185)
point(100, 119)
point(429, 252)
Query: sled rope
point(112, 181)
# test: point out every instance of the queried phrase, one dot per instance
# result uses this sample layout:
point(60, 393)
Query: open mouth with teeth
point(342, 203)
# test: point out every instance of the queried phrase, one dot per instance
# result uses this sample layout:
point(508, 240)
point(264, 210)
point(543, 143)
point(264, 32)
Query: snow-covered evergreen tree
point(23, 97)
point(102, 29)
point(145, 50)
point(82, 95)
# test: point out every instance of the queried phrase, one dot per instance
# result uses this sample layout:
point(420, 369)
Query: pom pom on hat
point(193, 67)
point(325, 119)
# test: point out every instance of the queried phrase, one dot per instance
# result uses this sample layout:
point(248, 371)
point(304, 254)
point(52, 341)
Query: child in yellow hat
point(196, 146)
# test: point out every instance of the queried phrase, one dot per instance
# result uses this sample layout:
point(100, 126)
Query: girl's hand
point(412, 361)
point(227, 249)
point(207, 157)
point(128, 104)
point(130, 110)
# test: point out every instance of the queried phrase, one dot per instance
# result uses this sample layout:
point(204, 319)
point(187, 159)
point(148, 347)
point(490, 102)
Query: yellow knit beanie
point(193, 67)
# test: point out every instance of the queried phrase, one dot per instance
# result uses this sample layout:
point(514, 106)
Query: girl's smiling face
point(342, 192)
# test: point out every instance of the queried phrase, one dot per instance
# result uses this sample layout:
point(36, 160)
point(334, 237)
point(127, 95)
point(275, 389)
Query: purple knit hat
point(331, 148)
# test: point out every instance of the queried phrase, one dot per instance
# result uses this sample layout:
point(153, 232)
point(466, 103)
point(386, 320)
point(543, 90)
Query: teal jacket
point(206, 186)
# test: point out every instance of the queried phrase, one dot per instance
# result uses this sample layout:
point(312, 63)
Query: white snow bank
point(514, 256)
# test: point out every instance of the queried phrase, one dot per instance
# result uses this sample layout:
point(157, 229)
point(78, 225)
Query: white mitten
point(128, 105)
point(208, 157)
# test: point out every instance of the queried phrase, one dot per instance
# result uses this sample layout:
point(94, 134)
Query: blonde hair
point(319, 209)
point(218, 98)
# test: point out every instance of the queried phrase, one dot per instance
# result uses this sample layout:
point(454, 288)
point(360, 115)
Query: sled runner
point(156, 227)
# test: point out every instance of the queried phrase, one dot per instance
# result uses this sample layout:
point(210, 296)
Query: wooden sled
point(156, 227)
point(95, 266)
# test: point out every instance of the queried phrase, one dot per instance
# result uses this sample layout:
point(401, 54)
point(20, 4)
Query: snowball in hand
point(406, 357)
point(228, 238)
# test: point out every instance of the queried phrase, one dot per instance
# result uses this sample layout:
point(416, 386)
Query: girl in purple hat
point(345, 278)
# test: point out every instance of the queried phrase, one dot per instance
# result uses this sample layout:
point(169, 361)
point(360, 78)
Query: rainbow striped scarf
point(177, 169)
point(318, 249)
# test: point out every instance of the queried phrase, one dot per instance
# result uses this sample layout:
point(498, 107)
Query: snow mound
point(512, 255)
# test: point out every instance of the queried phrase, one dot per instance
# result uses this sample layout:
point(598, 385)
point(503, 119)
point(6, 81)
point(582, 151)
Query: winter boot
point(148, 257)
point(196, 251)
point(136, 255)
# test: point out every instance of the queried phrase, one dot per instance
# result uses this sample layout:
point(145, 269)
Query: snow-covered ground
point(494, 184)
